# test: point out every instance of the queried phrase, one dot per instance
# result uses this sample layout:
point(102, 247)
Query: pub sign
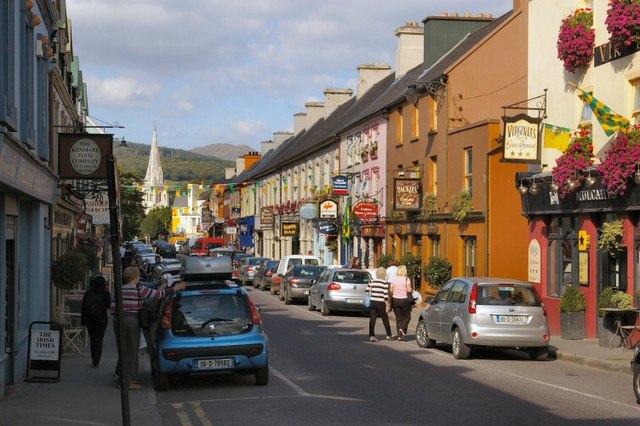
point(521, 139)
point(407, 194)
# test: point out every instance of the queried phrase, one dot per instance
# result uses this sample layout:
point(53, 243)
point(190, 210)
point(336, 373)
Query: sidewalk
point(88, 396)
point(83, 396)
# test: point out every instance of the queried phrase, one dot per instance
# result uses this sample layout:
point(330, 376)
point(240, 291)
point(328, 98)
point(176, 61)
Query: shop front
point(570, 242)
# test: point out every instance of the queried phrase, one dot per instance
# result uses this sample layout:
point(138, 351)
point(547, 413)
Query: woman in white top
point(400, 286)
point(379, 290)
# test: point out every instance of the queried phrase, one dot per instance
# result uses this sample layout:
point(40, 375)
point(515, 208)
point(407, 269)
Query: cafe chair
point(73, 333)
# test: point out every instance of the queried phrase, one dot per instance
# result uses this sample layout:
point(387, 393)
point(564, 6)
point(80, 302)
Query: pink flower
point(621, 161)
point(569, 166)
point(623, 22)
point(576, 40)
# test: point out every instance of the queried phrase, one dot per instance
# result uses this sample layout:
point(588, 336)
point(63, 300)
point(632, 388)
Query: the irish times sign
point(83, 155)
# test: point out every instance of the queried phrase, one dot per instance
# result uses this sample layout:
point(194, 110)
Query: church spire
point(154, 176)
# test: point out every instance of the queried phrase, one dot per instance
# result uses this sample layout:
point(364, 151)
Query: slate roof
point(180, 201)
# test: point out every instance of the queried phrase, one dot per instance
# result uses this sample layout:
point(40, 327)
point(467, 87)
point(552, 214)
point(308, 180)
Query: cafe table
point(618, 315)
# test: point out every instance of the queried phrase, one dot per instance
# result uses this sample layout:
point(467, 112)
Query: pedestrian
point(399, 287)
point(379, 291)
point(354, 263)
point(93, 315)
point(133, 296)
point(392, 270)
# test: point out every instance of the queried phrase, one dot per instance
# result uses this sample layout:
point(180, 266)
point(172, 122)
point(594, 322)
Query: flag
point(346, 221)
point(556, 137)
point(609, 120)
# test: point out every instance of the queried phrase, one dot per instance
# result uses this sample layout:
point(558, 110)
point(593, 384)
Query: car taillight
point(249, 268)
point(165, 322)
point(235, 274)
point(276, 280)
point(256, 319)
point(473, 300)
point(269, 273)
point(294, 282)
point(334, 286)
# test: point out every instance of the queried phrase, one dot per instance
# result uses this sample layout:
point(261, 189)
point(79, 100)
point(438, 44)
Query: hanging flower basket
point(621, 161)
point(576, 40)
point(623, 22)
point(578, 156)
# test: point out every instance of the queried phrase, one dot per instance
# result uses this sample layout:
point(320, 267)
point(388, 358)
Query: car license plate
point(355, 300)
point(511, 318)
point(212, 364)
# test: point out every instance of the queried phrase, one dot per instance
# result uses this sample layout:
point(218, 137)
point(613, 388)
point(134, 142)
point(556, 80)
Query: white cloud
point(250, 127)
point(122, 91)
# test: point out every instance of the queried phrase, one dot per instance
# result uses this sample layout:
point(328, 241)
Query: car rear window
point(311, 262)
point(307, 271)
point(210, 313)
point(507, 295)
point(353, 277)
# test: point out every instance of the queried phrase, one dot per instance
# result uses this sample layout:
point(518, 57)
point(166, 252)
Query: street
point(324, 371)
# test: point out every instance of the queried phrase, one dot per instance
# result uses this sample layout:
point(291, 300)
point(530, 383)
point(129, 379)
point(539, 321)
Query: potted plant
point(437, 271)
point(567, 174)
point(623, 22)
point(621, 161)
point(414, 268)
point(572, 306)
point(430, 204)
point(576, 40)
point(610, 238)
point(374, 148)
point(462, 205)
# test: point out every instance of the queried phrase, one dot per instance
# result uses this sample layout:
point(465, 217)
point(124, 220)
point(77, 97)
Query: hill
point(224, 151)
point(177, 164)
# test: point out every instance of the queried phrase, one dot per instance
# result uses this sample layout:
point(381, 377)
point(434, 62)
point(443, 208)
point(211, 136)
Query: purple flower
point(623, 22)
point(576, 40)
point(621, 161)
point(569, 166)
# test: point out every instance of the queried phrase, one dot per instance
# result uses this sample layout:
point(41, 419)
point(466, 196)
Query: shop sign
point(328, 227)
point(535, 256)
point(231, 230)
point(309, 211)
point(328, 209)
point(235, 210)
point(407, 194)
point(373, 231)
point(206, 214)
point(97, 205)
point(365, 210)
point(340, 185)
point(606, 53)
point(521, 139)
point(83, 155)
point(290, 229)
point(266, 216)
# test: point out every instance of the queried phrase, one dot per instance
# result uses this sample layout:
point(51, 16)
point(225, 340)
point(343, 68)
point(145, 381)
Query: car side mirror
point(314, 281)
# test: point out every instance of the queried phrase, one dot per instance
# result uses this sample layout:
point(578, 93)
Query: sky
point(233, 71)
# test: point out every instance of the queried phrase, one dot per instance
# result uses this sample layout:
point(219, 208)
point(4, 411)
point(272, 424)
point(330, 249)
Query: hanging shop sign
point(365, 210)
point(266, 217)
point(328, 209)
point(290, 229)
point(309, 211)
point(373, 231)
point(83, 155)
point(328, 227)
point(407, 194)
point(97, 205)
point(340, 185)
point(231, 230)
point(521, 139)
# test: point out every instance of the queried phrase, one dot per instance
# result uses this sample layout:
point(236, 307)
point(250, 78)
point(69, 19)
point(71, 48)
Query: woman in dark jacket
point(95, 303)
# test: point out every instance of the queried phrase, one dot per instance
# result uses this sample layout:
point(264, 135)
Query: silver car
point(339, 290)
point(492, 312)
point(248, 268)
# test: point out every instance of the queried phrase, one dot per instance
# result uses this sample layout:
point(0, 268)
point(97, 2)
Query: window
point(470, 254)
point(585, 115)
point(434, 241)
point(458, 292)
point(433, 175)
point(468, 169)
point(415, 121)
point(8, 66)
point(400, 126)
point(563, 254)
point(636, 101)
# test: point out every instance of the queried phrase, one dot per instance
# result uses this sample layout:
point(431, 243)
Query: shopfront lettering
point(593, 195)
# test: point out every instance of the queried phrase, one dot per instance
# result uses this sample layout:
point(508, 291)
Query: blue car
point(210, 326)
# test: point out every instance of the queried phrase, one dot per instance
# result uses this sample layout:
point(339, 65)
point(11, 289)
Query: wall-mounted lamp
point(555, 187)
point(590, 180)
point(534, 188)
point(401, 173)
point(522, 188)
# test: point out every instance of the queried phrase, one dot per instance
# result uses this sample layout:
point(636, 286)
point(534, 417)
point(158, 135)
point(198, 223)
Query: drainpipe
point(494, 151)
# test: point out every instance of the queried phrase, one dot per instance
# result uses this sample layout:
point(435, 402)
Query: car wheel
point(539, 354)
point(422, 337)
point(287, 297)
point(262, 376)
point(160, 381)
point(324, 308)
point(458, 347)
point(310, 305)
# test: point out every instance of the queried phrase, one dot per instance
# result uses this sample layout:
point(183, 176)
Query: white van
point(296, 259)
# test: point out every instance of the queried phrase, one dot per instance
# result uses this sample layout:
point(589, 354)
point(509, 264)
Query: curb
point(592, 362)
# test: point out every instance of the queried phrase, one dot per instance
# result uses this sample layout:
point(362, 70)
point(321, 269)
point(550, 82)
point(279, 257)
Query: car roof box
point(206, 268)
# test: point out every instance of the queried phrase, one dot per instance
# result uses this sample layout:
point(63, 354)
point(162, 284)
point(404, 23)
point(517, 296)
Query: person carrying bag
point(400, 288)
point(378, 291)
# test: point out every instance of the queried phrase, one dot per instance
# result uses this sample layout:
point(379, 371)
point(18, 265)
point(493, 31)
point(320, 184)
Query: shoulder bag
point(367, 297)
point(410, 298)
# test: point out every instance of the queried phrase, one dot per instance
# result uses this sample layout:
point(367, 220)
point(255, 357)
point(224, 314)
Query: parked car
point(473, 312)
point(262, 277)
point(248, 268)
point(297, 282)
point(166, 250)
point(339, 290)
point(211, 326)
point(286, 263)
point(203, 244)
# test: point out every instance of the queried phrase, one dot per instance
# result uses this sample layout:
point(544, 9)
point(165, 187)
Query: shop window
point(470, 253)
point(434, 243)
point(586, 116)
point(563, 254)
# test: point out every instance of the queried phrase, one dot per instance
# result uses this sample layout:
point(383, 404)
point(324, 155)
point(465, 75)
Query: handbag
point(410, 297)
point(367, 298)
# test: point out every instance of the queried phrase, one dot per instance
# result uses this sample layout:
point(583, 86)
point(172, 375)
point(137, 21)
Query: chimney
point(299, 120)
point(409, 52)
point(239, 165)
point(315, 111)
point(229, 172)
point(279, 137)
point(369, 75)
point(334, 98)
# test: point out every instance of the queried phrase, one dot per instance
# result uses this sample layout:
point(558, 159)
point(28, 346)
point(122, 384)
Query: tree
point(414, 267)
point(158, 221)
point(131, 208)
point(437, 271)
